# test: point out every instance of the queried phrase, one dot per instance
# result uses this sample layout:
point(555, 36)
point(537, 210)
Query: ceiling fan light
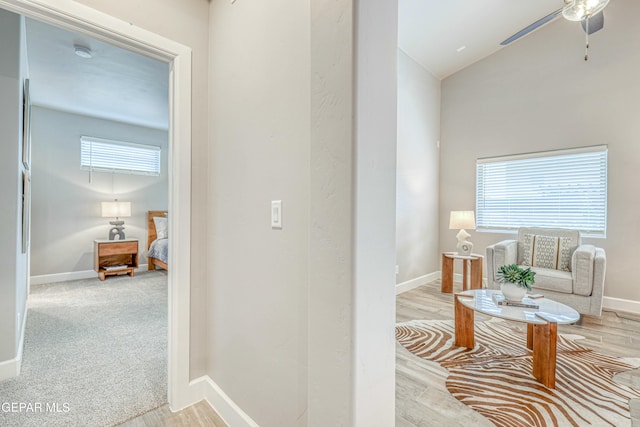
point(578, 10)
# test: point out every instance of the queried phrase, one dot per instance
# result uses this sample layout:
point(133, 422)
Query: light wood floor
point(423, 400)
point(421, 397)
point(200, 415)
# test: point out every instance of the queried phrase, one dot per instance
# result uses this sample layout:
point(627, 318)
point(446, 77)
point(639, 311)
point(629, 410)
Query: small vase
point(512, 292)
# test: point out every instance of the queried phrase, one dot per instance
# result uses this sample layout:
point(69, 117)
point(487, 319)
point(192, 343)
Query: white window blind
point(104, 155)
point(557, 189)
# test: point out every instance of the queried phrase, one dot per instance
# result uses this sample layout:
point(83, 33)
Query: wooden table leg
point(465, 273)
point(464, 325)
point(447, 275)
point(476, 273)
point(545, 338)
point(530, 336)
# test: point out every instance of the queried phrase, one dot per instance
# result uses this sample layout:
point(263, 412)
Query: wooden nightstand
point(115, 257)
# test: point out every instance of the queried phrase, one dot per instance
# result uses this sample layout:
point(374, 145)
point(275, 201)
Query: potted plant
point(515, 281)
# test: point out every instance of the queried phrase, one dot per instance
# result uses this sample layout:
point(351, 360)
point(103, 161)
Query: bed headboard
point(151, 227)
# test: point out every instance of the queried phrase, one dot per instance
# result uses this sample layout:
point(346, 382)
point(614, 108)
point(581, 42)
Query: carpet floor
point(495, 379)
point(95, 353)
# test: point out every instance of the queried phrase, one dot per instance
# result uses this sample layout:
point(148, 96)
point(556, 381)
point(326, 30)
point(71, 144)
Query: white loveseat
point(576, 279)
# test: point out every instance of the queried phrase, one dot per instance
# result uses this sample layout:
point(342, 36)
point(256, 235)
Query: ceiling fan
point(588, 12)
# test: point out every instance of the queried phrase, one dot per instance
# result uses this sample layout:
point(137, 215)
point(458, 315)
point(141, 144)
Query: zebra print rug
point(495, 377)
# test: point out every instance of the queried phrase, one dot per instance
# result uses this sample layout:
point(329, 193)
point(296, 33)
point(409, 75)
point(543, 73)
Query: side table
point(447, 271)
point(112, 257)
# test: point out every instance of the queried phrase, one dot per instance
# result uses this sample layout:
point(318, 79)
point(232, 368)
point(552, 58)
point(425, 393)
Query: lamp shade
point(460, 220)
point(577, 10)
point(116, 209)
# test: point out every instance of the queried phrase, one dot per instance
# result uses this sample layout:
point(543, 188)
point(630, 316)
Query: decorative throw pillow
point(527, 249)
point(545, 252)
point(161, 227)
point(564, 255)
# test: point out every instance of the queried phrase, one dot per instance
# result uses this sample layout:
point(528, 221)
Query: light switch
point(276, 214)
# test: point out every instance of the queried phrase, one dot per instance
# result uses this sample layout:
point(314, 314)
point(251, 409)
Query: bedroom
point(112, 96)
point(66, 214)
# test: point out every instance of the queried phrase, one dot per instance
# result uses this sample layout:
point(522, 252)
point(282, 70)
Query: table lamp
point(116, 210)
point(461, 220)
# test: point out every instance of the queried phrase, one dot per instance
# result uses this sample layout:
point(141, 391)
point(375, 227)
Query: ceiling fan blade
point(540, 22)
point(596, 23)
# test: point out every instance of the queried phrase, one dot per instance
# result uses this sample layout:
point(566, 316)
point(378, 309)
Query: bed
point(158, 247)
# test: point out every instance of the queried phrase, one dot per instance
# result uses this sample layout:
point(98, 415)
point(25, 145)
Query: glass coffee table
point(542, 326)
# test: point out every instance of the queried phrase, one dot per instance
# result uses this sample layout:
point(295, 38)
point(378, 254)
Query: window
point(558, 189)
point(104, 155)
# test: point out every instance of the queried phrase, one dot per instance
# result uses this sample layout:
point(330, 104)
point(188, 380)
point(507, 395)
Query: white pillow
point(161, 227)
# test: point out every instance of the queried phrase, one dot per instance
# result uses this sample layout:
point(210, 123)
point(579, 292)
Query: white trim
point(11, 368)
point(545, 153)
point(73, 275)
point(417, 282)
point(619, 304)
point(77, 17)
point(226, 408)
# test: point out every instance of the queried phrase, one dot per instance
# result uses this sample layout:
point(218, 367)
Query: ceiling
point(124, 86)
point(431, 31)
point(114, 84)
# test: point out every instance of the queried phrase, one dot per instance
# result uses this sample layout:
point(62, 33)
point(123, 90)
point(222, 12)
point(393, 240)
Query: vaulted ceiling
point(442, 36)
point(447, 36)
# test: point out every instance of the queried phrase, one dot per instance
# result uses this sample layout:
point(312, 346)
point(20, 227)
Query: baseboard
point(230, 413)
point(11, 368)
point(619, 304)
point(418, 281)
point(72, 275)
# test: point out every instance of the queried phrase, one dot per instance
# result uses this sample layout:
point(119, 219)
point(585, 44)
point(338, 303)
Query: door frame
point(82, 19)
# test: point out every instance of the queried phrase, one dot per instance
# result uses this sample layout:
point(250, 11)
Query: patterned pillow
point(564, 255)
point(527, 249)
point(545, 251)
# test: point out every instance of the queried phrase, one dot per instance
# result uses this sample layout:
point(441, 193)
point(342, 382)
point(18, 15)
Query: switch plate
point(276, 214)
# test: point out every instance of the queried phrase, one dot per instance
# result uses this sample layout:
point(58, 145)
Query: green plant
point(513, 273)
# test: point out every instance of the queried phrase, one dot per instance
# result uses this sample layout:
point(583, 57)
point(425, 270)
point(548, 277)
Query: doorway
point(78, 18)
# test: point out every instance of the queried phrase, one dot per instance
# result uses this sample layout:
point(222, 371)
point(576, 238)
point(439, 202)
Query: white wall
point(302, 318)
point(259, 77)
point(417, 196)
point(13, 263)
point(540, 94)
point(66, 206)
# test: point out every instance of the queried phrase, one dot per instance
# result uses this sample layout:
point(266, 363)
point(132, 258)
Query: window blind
point(116, 156)
point(554, 189)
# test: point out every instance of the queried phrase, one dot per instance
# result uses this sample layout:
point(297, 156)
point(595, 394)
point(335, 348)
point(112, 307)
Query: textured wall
point(417, 196)
point(14, 264)
point(539, 94)
point(11, 177)
point(257, 296)
point(314, 300)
